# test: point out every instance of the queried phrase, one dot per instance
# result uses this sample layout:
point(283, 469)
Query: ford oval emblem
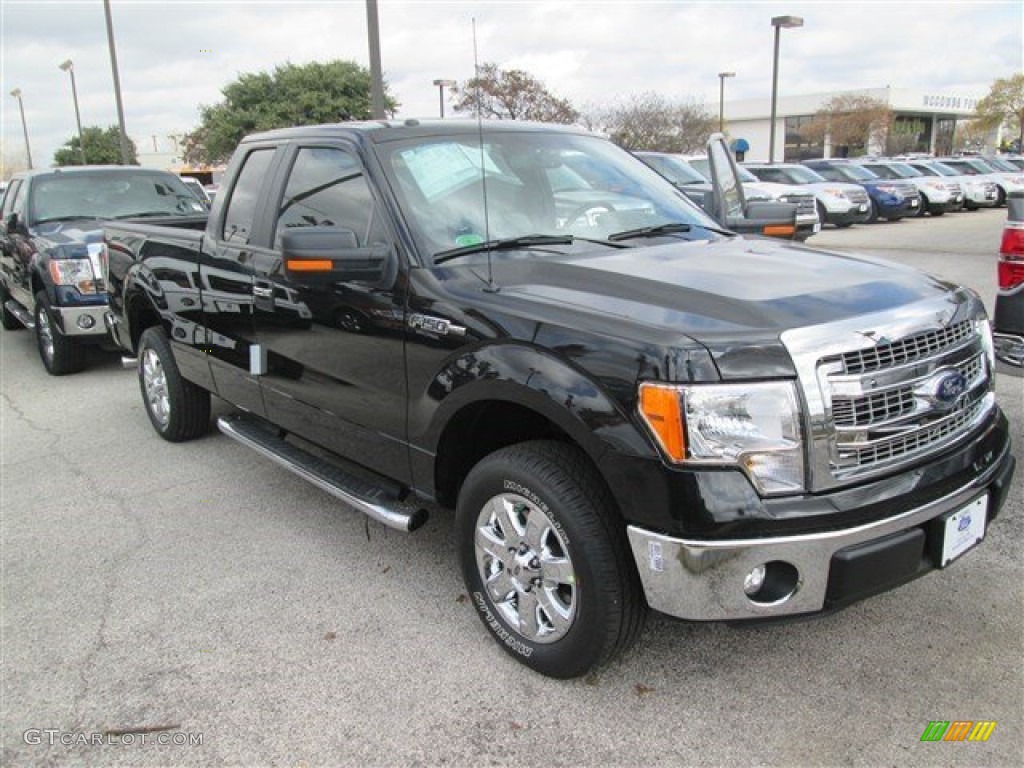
point(950, 387)
point(965, 523)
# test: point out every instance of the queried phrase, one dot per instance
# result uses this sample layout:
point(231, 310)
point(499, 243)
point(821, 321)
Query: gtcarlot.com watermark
point(140, 737)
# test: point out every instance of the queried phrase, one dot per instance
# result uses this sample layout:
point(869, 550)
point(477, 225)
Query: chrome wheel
point(45, 331)
point(525, 566)
point(154, 381)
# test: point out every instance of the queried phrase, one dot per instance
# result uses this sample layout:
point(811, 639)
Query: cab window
point(327, 188)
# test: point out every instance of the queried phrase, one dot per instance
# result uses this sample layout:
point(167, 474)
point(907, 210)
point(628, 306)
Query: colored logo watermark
point(958, 730)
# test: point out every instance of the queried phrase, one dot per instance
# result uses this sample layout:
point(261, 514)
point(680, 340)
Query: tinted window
point(327, 188)
point(18, 200)
point(241, 212)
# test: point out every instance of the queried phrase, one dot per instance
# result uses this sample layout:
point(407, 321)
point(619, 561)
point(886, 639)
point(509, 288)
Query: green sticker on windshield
point(468, 239)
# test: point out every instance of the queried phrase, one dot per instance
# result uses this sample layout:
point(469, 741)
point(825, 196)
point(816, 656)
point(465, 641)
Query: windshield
point(524, 184)
point(905, 170)
point(943, 169)
point(797, 174)
point(109, 195)
point(1001, 165)
point(884, 171)
point(856, 173)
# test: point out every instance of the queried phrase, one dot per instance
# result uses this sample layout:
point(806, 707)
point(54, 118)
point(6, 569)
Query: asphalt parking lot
point(196, 605)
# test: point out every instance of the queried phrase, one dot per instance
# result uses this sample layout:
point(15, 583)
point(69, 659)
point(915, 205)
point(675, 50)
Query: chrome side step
point(23, 315)
point(369, 499)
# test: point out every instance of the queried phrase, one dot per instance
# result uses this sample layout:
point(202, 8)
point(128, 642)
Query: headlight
point(935, 185)
point(835, 192)
point(76, 272)
point(755, 427)
point(887, 188)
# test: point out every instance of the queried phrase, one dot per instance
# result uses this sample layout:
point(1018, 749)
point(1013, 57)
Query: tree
point(102, 147)
point(510, 94)
point(290, 95)
point(649, 121)
point(851, 121)
point(1004, 104)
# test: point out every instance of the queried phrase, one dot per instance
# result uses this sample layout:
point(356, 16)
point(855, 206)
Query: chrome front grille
point(805, 204)
point(891, 388)
point(908, 445)
point(907, 190)
point(857, 196)
point(888, 354)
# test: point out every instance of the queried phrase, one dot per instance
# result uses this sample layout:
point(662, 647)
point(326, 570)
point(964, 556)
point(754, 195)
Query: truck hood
point(728, 295)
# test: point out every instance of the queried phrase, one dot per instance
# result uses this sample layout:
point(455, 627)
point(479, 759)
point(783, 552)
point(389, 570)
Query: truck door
point(240, 229)
point(329, 310)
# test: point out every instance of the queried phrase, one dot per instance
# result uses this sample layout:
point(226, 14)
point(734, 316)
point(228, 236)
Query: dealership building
point(927, 120)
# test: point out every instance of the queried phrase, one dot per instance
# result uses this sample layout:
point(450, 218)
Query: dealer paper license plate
point(964, 528)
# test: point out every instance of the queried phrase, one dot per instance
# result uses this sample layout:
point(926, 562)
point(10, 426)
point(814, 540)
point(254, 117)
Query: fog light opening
point(771, 583)
point(85, 322)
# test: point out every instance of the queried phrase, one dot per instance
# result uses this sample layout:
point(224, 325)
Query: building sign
point(950, 102)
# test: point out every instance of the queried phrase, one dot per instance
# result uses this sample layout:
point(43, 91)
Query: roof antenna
point(491, 287)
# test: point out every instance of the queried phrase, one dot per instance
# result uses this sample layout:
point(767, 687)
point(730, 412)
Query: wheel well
point(480, 429)
point(37, 284)
point(140, 317)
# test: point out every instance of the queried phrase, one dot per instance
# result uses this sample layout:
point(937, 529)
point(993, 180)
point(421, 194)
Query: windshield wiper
point(505, 244)
point(55, 219)
point(653, 231)
point(526, 241)
point(148, 214)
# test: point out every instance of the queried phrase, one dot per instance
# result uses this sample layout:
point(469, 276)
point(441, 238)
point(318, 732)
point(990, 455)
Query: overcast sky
point(175, 55)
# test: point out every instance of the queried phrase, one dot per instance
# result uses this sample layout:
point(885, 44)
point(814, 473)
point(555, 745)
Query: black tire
point(922, 205)
point(1000, 197)
point(872, 212)
point(822, 213)
point(586, 605)
point(60, 355)
point(10, 322)
point(178, 409)
point(844, 225)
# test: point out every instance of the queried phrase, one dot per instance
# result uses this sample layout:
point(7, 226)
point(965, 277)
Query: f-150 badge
point(435, 325)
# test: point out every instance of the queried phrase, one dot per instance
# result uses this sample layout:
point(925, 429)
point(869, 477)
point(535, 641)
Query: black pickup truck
point(627, 406)
point(50, 243)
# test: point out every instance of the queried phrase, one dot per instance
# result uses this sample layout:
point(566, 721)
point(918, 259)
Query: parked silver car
point(839, 203)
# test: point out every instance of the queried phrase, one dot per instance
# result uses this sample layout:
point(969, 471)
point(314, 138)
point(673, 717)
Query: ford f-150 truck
point(50, 243)
point(627, 406)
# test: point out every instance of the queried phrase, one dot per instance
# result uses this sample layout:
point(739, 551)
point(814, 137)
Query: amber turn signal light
point(309, 265)
point(660, 409)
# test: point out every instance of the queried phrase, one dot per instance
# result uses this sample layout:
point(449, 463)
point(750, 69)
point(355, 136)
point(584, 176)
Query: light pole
point(442, 84)
point(69, 67)
point(376, 73)
point(16, 93)
point(125, 155)
point(778, 22)
point(721, 99)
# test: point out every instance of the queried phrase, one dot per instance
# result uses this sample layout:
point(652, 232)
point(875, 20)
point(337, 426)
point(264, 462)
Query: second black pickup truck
point(50, 243)
point(627, 406)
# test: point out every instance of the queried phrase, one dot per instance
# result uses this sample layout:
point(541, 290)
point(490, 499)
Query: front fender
point(536, 379)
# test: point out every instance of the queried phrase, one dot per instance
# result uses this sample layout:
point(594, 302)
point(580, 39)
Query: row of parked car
point(843, 192)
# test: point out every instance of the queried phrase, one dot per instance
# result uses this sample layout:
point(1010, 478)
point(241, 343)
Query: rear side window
point(241, 210)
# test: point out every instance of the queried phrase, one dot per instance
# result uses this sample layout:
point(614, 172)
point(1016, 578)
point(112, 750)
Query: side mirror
point(729, 200)
point(333, 255)
point(12, 222)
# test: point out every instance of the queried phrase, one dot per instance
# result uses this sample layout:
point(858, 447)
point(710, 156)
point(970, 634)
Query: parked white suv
point(977, 166)
point(978, 192)
point(938, 196)
point(838, 202)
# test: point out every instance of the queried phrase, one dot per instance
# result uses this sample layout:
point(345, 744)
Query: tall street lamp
point(721, 98)
point(442, 84)
point(69, 67)
point(123, 138)
point(779, 22)
point(16, 93)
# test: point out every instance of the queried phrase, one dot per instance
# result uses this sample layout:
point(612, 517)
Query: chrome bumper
point(72, 319)
point(703, 580)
